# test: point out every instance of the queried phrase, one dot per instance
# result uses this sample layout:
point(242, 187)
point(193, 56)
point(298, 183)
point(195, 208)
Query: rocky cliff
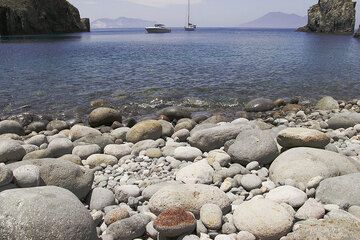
point(23, 17)
point(331, 16)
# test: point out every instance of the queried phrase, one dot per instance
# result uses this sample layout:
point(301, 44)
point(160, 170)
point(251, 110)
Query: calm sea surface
point(138, 72)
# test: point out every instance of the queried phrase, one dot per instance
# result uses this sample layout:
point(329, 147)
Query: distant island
point(121, 22)
point(277, 20)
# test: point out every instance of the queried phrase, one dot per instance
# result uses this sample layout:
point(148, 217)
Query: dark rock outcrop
point(331, 16)
point(24, 17)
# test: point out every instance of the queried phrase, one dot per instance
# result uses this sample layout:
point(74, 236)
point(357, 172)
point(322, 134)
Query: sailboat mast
point(188, 12)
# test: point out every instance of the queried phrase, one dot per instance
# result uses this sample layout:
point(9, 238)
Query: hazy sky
point(204, 12)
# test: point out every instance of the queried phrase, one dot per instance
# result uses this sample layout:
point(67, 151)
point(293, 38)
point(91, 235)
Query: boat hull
point(189, 29)
point(158, 30)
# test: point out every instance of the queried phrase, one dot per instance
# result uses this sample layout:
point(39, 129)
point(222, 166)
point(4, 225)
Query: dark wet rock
point(331, 16)
point(39, 17)
point(104, 116)
point(340, 190)
point(175, 113)
point(61, 173)
point(344, 120)
point(39, 213)
point(11, 126)
point(259, 105)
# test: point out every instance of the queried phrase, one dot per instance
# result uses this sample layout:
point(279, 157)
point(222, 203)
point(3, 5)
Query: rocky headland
point(331, 16)
point(283, 169)
point(25, 17)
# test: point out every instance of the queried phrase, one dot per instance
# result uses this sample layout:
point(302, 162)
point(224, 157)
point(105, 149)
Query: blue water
point(137, 72)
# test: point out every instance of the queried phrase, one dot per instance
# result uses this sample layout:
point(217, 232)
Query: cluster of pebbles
point(282, 169)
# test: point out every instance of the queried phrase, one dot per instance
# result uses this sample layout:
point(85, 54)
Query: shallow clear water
point(211, 68)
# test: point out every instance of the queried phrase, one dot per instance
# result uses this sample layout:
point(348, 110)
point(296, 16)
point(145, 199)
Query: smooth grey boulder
point(61, 173)
point(340, 190)
point(44, 213)
point(27, 176)
point(302, 164)
point(11, 126)
point(100, 198)
point(59, 147)
point(58, 125)
point(211, 138)
point(11, 151)
point(302, 137)
point(190, 197)
point(85, 151)
point(264, 218)
point(253, 145)
point(326, 229)
point(104, 116)
point(167, 128)
point(198, 172)
point(311, 209)
point(175, 113)
point(327, 103)
point(79, 131)
point(120, 133)
point(129, 228)
point(36, 140)
point(149, 129)
point(344, 120)
point(6, 175)
point(259, 105)
point(101, 140)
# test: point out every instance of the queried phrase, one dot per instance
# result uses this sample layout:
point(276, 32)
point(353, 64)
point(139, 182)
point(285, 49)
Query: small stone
point(187, 153)
point(153, 153)
point(27, 176)
point(11, 150)
point(211, 216)
point(250, 181)
point(85, 151)
point(116, 215)
point(100, 198)
point(287, 194)
point(252, 166)
point(129, 228)
point(244, 235)
point(310, 209)
point(117, 151)
point(98, 159)
point(122, 193)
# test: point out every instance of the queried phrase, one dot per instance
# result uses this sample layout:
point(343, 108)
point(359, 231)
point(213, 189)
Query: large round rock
point(327, 103)
point(39, 213)
point(302, 164)
point(10, 126)
point(190, 197)
point(150, 129)
point(259, 105)
point(340, 190)
point(104, 116)
point(253, 145)
point(11, 150)
point(264, 218)
point(302, 137)
point(61, 173)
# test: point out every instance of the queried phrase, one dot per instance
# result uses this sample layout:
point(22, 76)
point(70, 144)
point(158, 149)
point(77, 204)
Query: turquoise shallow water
point(211, 68)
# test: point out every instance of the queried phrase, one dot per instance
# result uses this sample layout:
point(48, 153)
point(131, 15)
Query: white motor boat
point(158, 28)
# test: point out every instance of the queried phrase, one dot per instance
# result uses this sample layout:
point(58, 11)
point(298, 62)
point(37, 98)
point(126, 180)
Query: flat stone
point(344, 120)
point(264, 218)
point(190, 197)
point(174, 222)
point(175, 112)
point(340, 190)
point(98, 159)
point(302, 164)
point(302, 137)
point(198, 172)
point(287, 194)
point(187, 153)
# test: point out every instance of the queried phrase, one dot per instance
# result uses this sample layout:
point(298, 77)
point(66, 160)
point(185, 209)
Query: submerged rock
point(331, 16)
point(104, 116)
point(259, 105)
point(40, 17)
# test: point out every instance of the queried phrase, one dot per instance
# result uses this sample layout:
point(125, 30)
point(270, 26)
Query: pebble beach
point(280, 169)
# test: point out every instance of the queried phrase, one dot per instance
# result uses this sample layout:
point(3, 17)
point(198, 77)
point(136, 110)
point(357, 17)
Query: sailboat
point(190, 27)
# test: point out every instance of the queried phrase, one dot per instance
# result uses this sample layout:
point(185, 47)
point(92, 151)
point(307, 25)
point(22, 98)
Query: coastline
point(188, 175)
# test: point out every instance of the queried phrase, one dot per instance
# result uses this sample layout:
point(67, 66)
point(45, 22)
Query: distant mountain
point(277, 20)
point(121, 22)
